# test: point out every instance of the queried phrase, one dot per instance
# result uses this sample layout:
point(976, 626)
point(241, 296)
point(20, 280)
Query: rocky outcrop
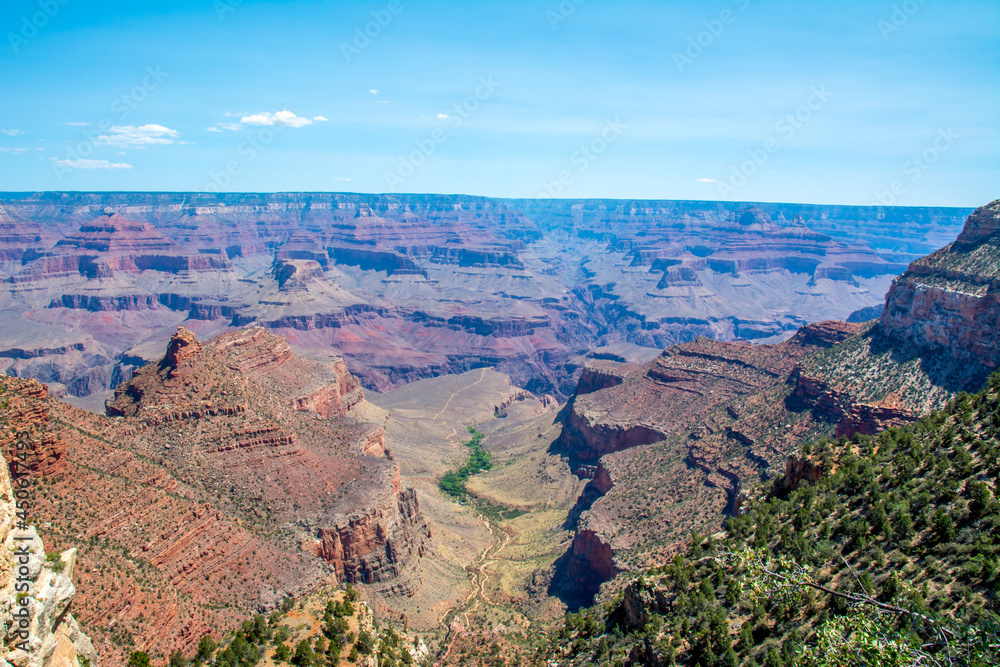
point(373, 444)
point(32, 449)
point(500, 410)
point(866, 314)
point(205, 497)
point(982, 226)
point(601, 374)
point(652, 401)
point(35, 594)
point(333, 399)
point(234, 402)
point(960, 324)
point(872, 419)
point(701, 413)
point(949, 301)
point(372, 543)
point(587, 440)
point(296, 273)
point(797, 472)
point(587, 564)
point(843, 408)
point(182, 347)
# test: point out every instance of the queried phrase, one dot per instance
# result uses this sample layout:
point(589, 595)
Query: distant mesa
point(753, 216)
point(413, 286)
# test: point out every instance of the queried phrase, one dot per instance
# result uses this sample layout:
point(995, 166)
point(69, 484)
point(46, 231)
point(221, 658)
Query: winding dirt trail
point(498, 542)
point(482, 376)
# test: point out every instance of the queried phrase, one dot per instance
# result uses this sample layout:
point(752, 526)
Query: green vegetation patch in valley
point(453, 481)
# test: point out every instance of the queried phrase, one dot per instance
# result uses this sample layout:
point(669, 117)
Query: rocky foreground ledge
point(35, 591)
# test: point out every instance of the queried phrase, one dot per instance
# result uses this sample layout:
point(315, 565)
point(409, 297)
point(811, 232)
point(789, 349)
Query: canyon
point(670, 447)
point(292, 374)
point(415, 286)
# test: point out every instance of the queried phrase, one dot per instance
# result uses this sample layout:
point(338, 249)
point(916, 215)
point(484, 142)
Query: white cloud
point(76, 124)
point(93, 164)
point(373, 91)
point(12, 133)
point(219, 127)
point(15, 151)
point(129, 136)
point(339, 178)
point(706, 180)
point(286, 118)
point(282, 118)
point(442, 116)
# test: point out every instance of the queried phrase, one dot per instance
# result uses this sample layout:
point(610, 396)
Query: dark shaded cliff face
point(412, 286)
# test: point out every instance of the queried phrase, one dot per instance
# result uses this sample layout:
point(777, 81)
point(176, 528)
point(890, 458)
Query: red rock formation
point(332, 400)
point(710, 407)
point(204, 497)
point(26, 436)
point(588, 563)
point(964, 325)
point(601, 374)
point(868, 419)
point(982, 226)
point(797, 471)
point(370, 544)
point(219, 390)
point(182, 347)
point(685, 382)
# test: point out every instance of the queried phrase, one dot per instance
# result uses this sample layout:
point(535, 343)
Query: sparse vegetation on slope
point(327, 629)
point(892, 558)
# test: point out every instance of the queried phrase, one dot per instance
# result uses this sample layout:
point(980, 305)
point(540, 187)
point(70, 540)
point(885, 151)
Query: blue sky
point(822, 102)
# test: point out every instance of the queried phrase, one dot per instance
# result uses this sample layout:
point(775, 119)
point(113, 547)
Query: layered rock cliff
point(245, 398)
point(414, 286)
point(27, 432)
point(670, 445)
point(683, 384)
point(949, 301)
point(373, 542)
